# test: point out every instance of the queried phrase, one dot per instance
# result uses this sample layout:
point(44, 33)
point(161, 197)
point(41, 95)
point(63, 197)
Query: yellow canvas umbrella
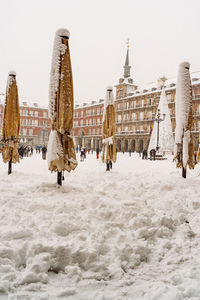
point(109, 154)
point(11, 123)
point(61, 151)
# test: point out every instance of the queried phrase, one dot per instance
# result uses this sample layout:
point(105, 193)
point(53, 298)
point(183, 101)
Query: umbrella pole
point(10, 167)
point(10, 162)
point(59, 178)
point(107, 166)
point(183, 172)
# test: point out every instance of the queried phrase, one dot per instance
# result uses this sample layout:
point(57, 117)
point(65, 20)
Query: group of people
point(27, 151)
point(84, 150)
point(152, 154)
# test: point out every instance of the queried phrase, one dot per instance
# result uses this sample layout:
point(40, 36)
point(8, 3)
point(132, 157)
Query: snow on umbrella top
point(183, 100)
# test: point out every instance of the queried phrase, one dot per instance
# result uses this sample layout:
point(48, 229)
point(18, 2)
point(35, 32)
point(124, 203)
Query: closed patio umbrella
point(11, 123)
point(184, 119)
point(109, 154)
point(61, 150)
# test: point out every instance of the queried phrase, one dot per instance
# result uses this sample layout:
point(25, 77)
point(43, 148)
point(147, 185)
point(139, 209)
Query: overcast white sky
point(162, 34)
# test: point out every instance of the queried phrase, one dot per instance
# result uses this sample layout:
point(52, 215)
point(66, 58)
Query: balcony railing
point(139, 132)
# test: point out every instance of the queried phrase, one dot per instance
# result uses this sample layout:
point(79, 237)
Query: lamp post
point(158, 119)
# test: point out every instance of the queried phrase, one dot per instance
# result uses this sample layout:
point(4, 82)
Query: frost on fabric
point(166, 140)
point(55, 149)
point(109, 100)
point(58, 50)
point(183, 100)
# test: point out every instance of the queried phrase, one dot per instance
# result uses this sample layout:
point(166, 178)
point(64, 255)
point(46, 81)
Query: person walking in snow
point(44, 152)
point(82, 154)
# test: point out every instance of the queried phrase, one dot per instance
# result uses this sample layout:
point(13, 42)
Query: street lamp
point(158, 119)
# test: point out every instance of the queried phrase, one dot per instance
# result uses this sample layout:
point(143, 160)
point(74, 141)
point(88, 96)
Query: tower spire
point(126, 66)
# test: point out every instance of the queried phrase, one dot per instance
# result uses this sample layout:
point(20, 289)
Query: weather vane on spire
point(127, 43)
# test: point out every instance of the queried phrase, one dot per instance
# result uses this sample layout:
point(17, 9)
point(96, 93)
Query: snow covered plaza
point(121, 234)
point(100, 150)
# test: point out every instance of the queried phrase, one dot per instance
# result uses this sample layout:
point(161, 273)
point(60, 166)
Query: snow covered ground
point(132, 233)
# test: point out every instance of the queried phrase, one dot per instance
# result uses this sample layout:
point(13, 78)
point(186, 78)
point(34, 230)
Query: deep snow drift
point(132, 233)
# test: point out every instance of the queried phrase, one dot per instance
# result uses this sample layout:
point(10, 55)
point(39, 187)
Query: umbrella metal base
point(9, 167)
point(108, 167)
point(183, 172)
point(59, 178)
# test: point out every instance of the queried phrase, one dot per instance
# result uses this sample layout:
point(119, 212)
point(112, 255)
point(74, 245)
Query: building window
point(44, 123)
point(94, 121)
point(94, 111)
point(36, 113)
point(126, 117)
point(198, 110)
point(97, 130)
point(169, 97)
point(44, 114)
point(119, 118)
point(81, 122)
point(24, 131)
point(89, 130)
point(90, 121)
point(93, 130)
point(141, 115)
point(30, 131)
point(150, 115)
point(133, 116)
point(98, 110)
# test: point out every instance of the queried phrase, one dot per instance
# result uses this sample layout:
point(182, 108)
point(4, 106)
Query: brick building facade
point(35, 124)
point(135, 113)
